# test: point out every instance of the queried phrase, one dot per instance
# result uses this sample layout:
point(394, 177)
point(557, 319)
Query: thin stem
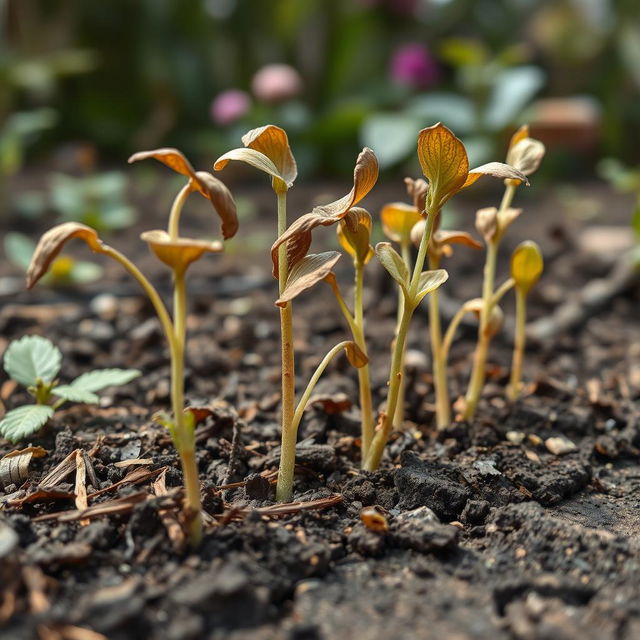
point(439, 364)
point(515, 384)
point(284, 488)
point(476, 382)
point(364, 382)
point(503, 289)
point(395, 377)
point(331, 281)
point(398, 418)
point(176, 211)
point(451, 332)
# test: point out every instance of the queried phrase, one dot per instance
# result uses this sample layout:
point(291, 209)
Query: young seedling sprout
point(444, 163)
point(525, 155)
point(526, 269)
point(177, 253)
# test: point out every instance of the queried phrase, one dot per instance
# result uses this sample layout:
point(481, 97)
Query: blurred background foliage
point(84, 84)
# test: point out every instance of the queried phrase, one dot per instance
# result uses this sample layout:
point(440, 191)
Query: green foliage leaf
point(19, 248)
point(93, 381)
point(430, 281)
point(24, 421)
point(30, 358)
point(391, 136)
point(391, 260)
point(70, 393)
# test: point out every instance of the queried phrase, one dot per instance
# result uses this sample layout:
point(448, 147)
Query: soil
point(482, 532)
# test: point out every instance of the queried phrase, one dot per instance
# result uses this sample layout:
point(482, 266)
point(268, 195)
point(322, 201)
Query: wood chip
point(81, 486)
point(60, 471)
point(133, 462)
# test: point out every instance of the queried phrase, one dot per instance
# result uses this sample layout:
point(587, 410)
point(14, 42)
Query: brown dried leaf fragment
point(417, 190)
point(178, 253)
point(306, 273)
point(51, 244)
point(496, 170)
point(354, 234)
point(172, 158)
point(357, 358)
point(220, 197)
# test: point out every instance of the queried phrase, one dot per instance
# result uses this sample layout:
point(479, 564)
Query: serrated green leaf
point(30, 358)
point(96, 380)
point(430, 281)
point(391, 260)
point(24, 421)
point(70, 393)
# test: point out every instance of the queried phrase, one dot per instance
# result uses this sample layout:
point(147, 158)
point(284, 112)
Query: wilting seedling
point(267, 149)
point(525, 155)
point(526, 269)
point(35, 362)
point(177, 253)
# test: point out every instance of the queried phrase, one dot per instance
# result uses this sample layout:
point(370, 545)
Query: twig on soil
point(81, 486)
point(133, 477)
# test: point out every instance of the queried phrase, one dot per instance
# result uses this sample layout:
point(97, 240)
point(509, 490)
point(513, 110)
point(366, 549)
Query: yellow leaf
point(398, 219)
point(178, 253)
point(526, 265)
point(354, 234)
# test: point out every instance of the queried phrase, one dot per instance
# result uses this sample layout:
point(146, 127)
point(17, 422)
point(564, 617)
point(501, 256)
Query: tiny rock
point(560, 445)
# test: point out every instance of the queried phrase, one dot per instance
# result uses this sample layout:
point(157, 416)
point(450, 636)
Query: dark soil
point(489, 535)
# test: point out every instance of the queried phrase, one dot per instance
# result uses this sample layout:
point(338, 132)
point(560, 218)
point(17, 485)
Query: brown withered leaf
point(332, 404)
point(307, 272)
point(398, 219)
point(496, 170)
point(526, 155)
point(357, 358)
point(496, 322)
point(220, 197)
point(178, 253)
point(297, 236)
point(417, 190)
point(172, 158)
point(51, 244)
point(354, 233)
point(506, 217)
point(487, 223)
point(444, 238)
point(444, 162)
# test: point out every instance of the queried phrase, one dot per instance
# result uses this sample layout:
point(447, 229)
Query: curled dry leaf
point(178, 253)
point(496, 170)
point(307, 272)
point(526, 155)
point(417, 190)
point(441, 242)
point(398, 219)
point(267, 149)
point(298, 235)
point(52, 242)
point(354, 233)
point(496, 322)
point(521, 133)
point(14, 468)
point(526, 265)
point(201, 181)
point(487, 223)
point(391, 260)
point(506, 217)
point(357, 358)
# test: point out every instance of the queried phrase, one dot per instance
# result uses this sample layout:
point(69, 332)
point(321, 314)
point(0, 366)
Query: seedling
point(444, 163)
point(177, 253)
point(35, 362)
point(267, 149)
point(525, 155)
point(526, 269)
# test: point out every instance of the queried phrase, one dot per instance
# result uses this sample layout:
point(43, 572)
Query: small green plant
point(267, 149)
point(177, 253)
point(35, 362)
point(526, 269)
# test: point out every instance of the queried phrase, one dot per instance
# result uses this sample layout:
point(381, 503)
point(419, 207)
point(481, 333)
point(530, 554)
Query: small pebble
point(560, 445)
point(516, 437)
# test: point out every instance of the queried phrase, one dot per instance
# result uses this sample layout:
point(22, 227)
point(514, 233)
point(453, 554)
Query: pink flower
point(276, 83)
point(413, 65)
point(229, 106)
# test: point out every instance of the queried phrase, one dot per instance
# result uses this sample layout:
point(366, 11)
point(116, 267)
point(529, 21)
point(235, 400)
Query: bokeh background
point(85, 84)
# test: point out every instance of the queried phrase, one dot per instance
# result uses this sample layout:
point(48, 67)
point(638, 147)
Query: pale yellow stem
point(515, 384)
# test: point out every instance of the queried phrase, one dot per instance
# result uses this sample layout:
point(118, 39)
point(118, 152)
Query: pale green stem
point(284, 487)
point(443, 405)
point(176, 211)
point(515, 384)
point(451, 332)
point(398, 418)
point(364, 383)
point(395, 377)
point(504, 288)
point(476, 382)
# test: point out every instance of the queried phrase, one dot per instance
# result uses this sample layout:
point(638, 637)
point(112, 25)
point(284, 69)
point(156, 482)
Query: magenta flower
point(413, 65)
point(276, 83)
point(229, 106)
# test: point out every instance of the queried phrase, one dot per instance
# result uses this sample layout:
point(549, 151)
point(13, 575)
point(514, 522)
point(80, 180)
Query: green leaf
point(24, 421)
point(391, 136)
point(30, 358)
point(101, 378)
point(430, 281)
point(19, 248)
point(83, 272)
point(391, 260)
point(70, 393)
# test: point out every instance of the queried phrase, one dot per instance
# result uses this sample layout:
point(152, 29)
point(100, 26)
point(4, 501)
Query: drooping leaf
point(354, 234)
point(51, 244)
point(506, 217)
point(398, 219)
point(70, 393)
point(391, 260)
point(178, 253)
point(96, 380)
point(355, 355)
point(24, 421)
point(307, 272)
point(251, 157)
point(173, 158)
point(444, 162)
point(441, 242)
point(487, 223)
point(497, 170)
point(526, 265)
point(417, 191)
point(297, 236)
point(30, 358)
point(430, 281)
